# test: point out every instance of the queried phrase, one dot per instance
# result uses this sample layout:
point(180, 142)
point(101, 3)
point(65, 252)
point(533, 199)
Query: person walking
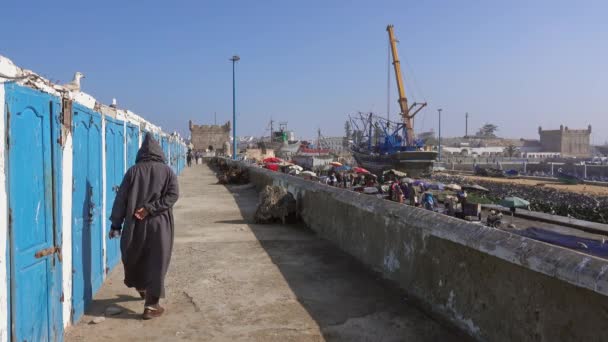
point(189, 158)
point(142, 215)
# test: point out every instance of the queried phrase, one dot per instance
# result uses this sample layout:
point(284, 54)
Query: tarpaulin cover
point(584, 245)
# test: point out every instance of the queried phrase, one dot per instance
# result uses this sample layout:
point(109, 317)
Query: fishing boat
point(383, 144)
point(567, 178)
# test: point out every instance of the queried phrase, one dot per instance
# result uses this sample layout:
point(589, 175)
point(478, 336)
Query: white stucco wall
point(3, 226)
point(66, 219)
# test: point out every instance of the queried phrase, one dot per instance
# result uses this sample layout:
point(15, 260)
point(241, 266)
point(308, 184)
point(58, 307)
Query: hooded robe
point(146, 244)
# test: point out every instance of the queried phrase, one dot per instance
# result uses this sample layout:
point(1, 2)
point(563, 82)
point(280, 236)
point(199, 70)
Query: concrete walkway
point(232, 280)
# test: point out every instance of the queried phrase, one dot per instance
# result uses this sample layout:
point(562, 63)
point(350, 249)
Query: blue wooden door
point(132, 144)
point(35, 264)
point(114, 173)
point(86, 209)
point(164, 143)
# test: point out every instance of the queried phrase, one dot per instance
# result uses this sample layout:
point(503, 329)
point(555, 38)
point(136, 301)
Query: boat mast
point(405, 109)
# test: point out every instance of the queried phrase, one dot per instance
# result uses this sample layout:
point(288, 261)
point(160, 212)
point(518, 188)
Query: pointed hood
point(150, 150)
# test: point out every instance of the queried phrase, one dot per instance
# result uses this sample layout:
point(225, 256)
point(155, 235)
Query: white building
point(334, 144)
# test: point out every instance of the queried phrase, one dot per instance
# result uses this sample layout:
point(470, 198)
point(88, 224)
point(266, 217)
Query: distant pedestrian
point(396, 192)
point(144, 204)
point(189, 158)
point(332, 179)
point(413, 195)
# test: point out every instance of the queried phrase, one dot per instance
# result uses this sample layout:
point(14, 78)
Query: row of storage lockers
point(58, 201)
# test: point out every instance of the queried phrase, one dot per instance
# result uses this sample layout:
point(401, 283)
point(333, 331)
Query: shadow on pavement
point(348, 301)
point(98, 306)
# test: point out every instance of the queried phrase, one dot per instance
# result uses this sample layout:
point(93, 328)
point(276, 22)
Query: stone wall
point(492, 284)
point(216, 136)
point(569, 142)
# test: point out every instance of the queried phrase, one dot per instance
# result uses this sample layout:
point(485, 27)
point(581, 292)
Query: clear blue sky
point(517, 64)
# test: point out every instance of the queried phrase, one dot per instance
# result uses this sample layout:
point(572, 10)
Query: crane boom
point(405, 110)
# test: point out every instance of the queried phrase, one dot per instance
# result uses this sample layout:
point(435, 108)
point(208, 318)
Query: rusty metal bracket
point(65, 118)
point(45, 252)
point(66, 113)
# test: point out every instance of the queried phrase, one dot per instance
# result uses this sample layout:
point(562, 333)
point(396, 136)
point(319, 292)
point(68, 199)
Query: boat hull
point(414, 163)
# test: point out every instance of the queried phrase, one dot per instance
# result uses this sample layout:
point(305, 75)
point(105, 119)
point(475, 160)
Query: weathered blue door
point(164, 143)
point(132, 144)
point(86, 209)
point(34, 254)
point(114, 173)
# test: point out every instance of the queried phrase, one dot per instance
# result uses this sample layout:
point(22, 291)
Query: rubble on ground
point(274, 204)
point(543, 199)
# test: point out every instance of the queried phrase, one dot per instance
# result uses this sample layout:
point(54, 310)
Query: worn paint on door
point(87, 254)
point(34, 254)
point(164, 143)
point(132, 144)
point(114, 174)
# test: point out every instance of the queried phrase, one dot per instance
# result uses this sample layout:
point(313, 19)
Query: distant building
point(313, 162)
point(474, 151)
point(210, 137)
point(530, 146)
point(568, 142)
point(334, 144)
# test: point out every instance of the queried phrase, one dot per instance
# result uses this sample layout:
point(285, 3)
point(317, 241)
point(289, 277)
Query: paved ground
point(232, 280)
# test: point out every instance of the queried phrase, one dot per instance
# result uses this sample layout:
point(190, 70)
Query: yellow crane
point(407, 113)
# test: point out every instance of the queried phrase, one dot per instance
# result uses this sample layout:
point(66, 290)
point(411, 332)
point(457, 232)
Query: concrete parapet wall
point(495, 285)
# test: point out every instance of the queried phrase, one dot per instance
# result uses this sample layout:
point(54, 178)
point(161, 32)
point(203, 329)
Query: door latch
point(48, 251)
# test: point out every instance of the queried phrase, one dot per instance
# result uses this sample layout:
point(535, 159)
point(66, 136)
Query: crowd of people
point(402, 190)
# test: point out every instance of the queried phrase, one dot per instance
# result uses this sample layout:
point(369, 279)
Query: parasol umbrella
point(406, 180)
point(475, 187)
point(335, 163)
point(342, 168)
point(419, 182)
point(273, 160)
point(437, 186)
point(360, 170)
point(395, 172)
point(272, 167)
point(296, 167)
point(453, 186)
point(309, 173)
point(514, 202)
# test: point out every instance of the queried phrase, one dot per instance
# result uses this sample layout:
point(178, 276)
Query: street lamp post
point(439, 149)
point(234, 59)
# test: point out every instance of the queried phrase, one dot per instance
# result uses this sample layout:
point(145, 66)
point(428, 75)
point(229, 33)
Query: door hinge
point(10, 219)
